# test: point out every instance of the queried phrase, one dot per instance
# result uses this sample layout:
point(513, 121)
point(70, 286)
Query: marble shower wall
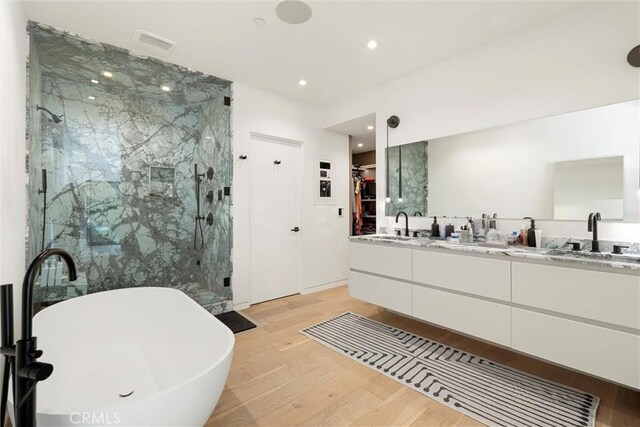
point(414, 179)
point(121, 169)
point(34, 148)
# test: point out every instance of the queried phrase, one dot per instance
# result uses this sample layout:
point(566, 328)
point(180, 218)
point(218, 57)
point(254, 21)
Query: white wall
point(510, 169)
point(323, 235)
point(571, 62)
point(13, 53)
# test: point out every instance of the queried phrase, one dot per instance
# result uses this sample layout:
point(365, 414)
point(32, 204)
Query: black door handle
point(296, 229)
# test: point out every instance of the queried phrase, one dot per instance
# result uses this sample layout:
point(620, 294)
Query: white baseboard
point(240, 305)
point(323, 287)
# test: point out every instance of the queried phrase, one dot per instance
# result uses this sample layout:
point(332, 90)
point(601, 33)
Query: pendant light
point(392, 122)
point(399, 173)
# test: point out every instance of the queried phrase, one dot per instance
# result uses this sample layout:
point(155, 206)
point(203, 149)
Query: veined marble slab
point(608, 260)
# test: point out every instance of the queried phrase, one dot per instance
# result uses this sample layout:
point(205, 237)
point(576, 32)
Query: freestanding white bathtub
point(131, 357)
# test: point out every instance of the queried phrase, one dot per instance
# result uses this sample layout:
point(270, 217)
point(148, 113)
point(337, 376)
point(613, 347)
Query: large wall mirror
point(560, 168)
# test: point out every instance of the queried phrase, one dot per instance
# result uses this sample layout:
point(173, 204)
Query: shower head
point(56, 118)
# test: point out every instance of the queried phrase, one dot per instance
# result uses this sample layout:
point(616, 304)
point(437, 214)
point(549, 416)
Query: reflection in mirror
point(548, 168)
point(591, 185)
point(408, 179)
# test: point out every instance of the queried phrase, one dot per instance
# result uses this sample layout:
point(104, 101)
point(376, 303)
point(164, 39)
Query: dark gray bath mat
point(235, 321)
point(491, 393)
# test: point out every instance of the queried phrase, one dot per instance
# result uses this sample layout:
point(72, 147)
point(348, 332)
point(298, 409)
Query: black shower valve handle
point(243, 157)
point(277, 162)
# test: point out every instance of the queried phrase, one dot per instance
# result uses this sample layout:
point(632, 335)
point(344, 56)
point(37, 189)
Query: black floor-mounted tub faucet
point(21, 357)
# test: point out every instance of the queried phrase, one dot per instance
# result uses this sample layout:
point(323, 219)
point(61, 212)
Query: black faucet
point(593, 226)
point(22, 355)
point(406, 222)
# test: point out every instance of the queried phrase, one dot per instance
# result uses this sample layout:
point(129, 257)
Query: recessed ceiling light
point(165, 88)
point(302, 82)
point(259, 22)
point(372, 44)
point(91, 97)
point(361, 145)
point(107, 73)
point(94, 81)
point(370, 127)
point(293, 11)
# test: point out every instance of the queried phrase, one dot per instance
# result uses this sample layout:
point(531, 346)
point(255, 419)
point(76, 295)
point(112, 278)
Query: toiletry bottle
point(464, 234)
point(470, 230)
point(531, 234)
point(435, 228)
point(44, 275)
point(58, 276)
point(523, 235)
point(448, 230)
point(53, 272)
point(492, 221)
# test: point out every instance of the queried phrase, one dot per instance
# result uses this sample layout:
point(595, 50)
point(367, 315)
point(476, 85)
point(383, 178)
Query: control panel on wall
point(324, 193)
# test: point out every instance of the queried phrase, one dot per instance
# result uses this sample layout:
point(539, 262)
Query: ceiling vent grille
point(152, 44)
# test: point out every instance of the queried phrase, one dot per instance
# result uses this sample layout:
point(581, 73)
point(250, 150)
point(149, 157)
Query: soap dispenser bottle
point(531, 234)
point(448, 230)
point(435, 228)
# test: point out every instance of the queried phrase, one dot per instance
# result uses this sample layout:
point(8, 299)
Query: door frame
point(292, 143)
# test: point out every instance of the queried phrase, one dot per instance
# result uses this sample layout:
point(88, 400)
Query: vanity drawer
point(474, 275)
point(380, 259)
point(387, 293)
point(603, 352)
point(607, 297)
point(483, 319)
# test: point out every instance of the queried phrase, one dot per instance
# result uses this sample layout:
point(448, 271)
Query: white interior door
point(274, 219)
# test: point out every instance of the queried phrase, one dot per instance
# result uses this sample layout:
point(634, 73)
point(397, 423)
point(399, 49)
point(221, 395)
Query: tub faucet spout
point(22, 356)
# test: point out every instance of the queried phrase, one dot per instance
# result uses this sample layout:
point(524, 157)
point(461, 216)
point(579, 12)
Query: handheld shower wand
point(199, 218)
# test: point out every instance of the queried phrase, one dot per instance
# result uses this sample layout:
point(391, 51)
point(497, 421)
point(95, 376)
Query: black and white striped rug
point(491, 393)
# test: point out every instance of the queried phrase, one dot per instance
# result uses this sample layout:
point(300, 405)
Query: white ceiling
point(359, 132)
point(220, 38)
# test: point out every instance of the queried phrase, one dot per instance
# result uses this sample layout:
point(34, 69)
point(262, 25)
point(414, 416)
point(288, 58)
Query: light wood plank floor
point(282, 378)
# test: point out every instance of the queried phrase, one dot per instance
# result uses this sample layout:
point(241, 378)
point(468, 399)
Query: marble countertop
point(608, 260)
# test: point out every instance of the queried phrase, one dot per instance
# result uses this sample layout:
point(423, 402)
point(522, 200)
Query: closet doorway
point(363, 185)
point(275, 227)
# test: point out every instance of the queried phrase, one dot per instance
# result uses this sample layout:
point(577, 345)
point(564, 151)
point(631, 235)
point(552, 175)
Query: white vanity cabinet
point(391, 261)
point(392, 294)
point(585, 319)
point(480, 318)
point(485, 277)
point(595, 295)
point(468, 294)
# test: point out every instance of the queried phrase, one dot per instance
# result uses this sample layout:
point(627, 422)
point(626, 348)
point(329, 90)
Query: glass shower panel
point(120, 170)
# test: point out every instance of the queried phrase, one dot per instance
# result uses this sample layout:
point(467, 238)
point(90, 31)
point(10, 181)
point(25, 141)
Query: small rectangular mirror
point(590, 185)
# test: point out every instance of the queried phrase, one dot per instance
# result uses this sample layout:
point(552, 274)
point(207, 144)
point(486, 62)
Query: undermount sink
point(491, 245)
